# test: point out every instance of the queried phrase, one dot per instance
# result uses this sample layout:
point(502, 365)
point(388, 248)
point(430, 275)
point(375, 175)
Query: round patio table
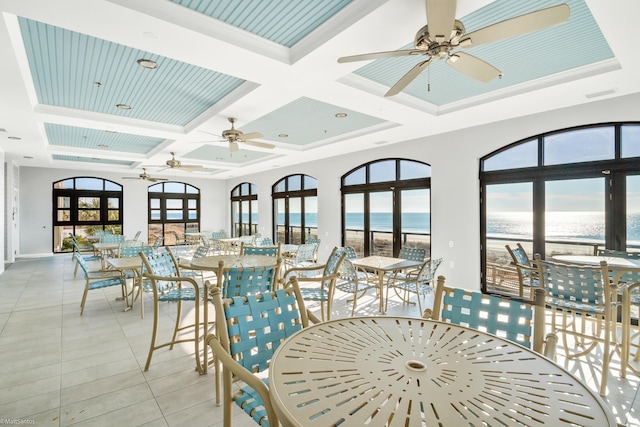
point(397, 371)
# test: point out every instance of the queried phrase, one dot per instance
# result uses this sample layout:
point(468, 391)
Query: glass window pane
point(254, 189)
point(88, 215)
point(630, 141)
point(156, 188)
point(64, 215)
point(574, 216)
point(580, 145)
point(523, 155)
point(192, 203)
point(244, 189)
point(382, 171)
point(279, 217)
point(235, 192)
point(112, 186)
point(154, 204)
point(89, 184)
point(310, 182)
point(354, 221)
point(155, 215)
point(416, 219)
point(174, 215)
point(191, 189)
point(356, 177)
point(114, 215)
point(174, 203)
point(295, 183)
point(280, 188)
point(295, 220)
point(413, 170)
point(193, 214)
point(67, 183)
point(311, 216)
point(88, 202)
point(254, 215)
point(113, 202)
point(509, 209)
point(64, 202)
point(633, 212)
point(173, 187)
point(381, 223)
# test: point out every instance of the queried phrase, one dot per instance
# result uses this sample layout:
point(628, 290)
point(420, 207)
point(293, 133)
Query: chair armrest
point(294, 269)
point(104, 274)
point(313, 318)
point(172, 279)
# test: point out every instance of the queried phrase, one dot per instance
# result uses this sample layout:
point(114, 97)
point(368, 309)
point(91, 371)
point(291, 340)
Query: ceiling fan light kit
point(444, 33)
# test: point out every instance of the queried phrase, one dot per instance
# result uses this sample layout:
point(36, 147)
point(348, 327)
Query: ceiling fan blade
point(259, 144)
point(408, 78)
point(441, 16)
point(473, 67)
point(519, 25)
point(157, 179)
point(251, 135)
point(380, 55)
point(233, 146)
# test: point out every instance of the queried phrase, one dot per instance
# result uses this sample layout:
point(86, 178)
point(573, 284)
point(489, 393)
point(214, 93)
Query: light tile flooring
point(58, 368)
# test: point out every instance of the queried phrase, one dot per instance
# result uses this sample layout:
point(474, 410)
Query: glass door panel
point(574, 216)
point(295, 220)
point(281, 230)
point(415, 219)
point(633, 213)
point(509, 219)
point(354, 222)
point(381, 223)
point(311, 217)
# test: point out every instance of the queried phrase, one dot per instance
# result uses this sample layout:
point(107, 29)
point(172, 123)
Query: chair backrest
point(161, 264)
point(306, 253)
point(241, 281)
point(312, 240)
point(428, 271)
point(261, 250)
point(263, 241)
point(348, 271)
point(191, 227)
point(157, 242)
point(619, 254)
point(519, 255)
point(512, 319)
point(350, 252)
point(247, 240)
point(577, 284)
point(334, 262)
point(413, 254)
point(220, 234)
point(83, 265)
point(137, 235)
point(133, 251)
point(112, 238)
point(201, 250)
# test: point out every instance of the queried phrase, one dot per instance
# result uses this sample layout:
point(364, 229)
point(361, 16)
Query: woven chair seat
point(106, 283)
point(316, 294)
point(174, 295)
point(578, 306)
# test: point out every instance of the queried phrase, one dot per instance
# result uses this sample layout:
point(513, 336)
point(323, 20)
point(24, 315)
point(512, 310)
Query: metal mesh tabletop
point(394, 371)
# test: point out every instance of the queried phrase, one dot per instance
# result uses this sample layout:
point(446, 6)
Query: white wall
point(454, 186)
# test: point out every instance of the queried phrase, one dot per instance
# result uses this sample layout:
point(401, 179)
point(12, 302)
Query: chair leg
point(154, 332)
point(84, 298)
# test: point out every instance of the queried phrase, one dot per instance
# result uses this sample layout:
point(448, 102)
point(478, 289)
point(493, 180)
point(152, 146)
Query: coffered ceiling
point(76, 93)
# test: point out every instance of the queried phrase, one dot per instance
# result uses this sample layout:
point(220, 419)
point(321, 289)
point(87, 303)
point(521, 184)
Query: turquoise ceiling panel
point(77, 71)
point(307, 120)
point(70, 136)
point(572, 44)
point(213, 153)
point(283, 22)
point(91, 160)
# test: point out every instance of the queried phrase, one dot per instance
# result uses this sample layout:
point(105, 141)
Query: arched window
point(173, 206)
point(82, 206)
point(295, 209)
point(386, 205)
point(570, 191)
point(244, 210)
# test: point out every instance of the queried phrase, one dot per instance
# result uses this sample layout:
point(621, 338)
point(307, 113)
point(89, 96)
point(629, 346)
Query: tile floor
point(58, 368)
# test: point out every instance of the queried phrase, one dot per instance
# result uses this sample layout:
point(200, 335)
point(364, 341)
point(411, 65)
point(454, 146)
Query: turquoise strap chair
point(522, 322)
point(317, 283)
point(168, 286)
point(527, 272)
point(261, 250)
point(249, 329)
point(86, 258)
point(420, 284)
point(100, 279)
point(140, 284)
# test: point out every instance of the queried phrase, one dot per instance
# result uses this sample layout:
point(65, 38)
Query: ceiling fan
point(145, 176)
point(176, 164)
point(234, 136)
point(444, 33)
